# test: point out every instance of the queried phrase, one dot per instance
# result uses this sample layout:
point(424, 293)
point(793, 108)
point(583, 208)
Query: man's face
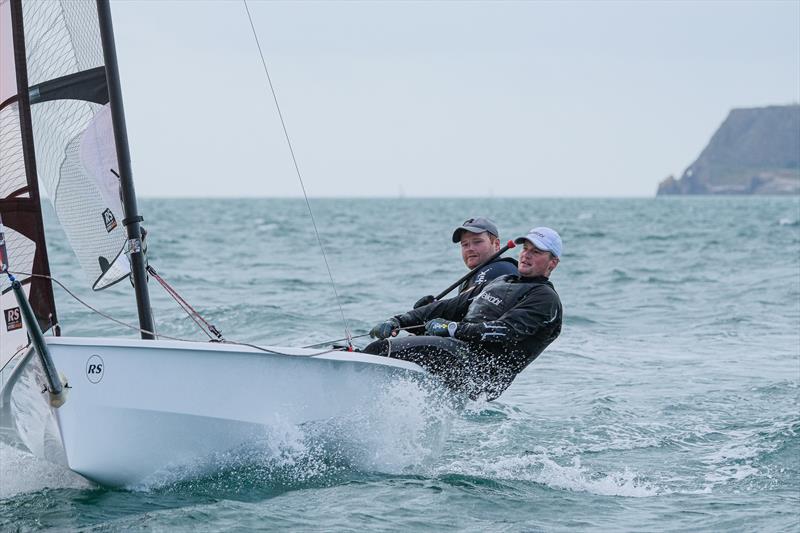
point(535, 262)
point(477, 248)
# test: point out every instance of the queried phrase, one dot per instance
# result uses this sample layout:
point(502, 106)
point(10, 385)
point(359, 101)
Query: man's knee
point(376, 347)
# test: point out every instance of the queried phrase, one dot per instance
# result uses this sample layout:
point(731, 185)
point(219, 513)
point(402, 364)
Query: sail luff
point(130, 207)
point(24, 213)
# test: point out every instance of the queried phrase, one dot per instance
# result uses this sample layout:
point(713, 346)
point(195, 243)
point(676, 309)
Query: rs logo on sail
point(109, 220)
point(13, 319)
point(95, 368)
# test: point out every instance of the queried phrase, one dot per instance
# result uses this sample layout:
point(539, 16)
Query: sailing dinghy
point(120, 411)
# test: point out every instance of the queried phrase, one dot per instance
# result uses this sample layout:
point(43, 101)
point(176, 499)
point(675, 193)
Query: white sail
point(19, 206)
point(72, 138)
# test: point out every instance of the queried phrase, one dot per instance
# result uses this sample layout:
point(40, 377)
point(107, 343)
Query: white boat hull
point(137, 408)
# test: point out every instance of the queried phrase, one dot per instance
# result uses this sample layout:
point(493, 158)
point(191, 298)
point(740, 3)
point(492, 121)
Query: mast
point(132, 217)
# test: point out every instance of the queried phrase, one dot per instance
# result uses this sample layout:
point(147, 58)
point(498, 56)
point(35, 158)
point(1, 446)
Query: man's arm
point(451, 309)
point(539, 308)
point(425, 300)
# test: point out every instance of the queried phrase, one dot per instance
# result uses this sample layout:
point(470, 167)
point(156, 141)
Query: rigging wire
point(348, 336)
point(409, 328)
point(12, 358)
point(137, 328)
point(89, 306)
point(170, 291)
point(201, 322)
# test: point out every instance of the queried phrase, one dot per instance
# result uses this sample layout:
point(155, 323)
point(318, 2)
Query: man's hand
point(425, 300)
point(386, 329)
point(441, 327)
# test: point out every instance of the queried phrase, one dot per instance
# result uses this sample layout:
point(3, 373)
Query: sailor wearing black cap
point(479, 240)
point(478, 344)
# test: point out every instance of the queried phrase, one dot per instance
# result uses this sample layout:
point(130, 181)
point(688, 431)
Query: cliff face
point(755, 151)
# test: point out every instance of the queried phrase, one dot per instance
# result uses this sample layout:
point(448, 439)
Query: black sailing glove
point(441, 327)
point(386, 329)
point(425, 300)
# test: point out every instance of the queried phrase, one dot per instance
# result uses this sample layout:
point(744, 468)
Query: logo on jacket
point(494, 332)
point(491, 299)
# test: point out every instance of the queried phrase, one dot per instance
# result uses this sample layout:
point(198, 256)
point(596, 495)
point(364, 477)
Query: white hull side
point(157, 405)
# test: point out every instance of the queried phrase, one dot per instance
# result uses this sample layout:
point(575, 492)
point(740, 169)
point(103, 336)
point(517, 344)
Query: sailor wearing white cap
point(479, 343)
point(540, 253)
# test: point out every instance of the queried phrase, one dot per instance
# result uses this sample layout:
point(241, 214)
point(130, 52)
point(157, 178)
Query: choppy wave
point(544, 470)
point(669, 401)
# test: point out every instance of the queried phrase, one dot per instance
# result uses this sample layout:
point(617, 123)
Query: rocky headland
point(754, 151)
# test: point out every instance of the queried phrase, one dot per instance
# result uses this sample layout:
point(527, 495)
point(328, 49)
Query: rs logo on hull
point(95, 368)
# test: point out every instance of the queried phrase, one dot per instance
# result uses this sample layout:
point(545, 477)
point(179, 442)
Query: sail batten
point(89, 85)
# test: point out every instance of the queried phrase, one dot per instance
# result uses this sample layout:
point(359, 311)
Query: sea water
point(670, 401)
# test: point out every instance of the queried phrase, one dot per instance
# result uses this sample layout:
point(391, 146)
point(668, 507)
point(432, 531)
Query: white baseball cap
point(544, 239)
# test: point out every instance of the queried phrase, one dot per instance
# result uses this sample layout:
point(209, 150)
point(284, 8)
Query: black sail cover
point(55, 130)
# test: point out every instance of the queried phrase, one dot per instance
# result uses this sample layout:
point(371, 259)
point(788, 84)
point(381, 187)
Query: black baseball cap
point(475, 225)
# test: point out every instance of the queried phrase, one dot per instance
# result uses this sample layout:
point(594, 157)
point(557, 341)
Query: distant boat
point(131, 408)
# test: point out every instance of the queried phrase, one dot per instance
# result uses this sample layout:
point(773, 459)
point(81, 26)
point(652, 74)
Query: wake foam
point(746, 453)
point(21, 472)
point(406, 425)
point(540, 468)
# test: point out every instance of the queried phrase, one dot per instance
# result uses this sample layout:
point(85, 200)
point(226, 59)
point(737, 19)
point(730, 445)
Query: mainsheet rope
point(348, 336)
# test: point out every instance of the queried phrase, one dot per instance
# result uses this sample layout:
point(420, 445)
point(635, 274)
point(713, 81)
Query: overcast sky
point(441, 98)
